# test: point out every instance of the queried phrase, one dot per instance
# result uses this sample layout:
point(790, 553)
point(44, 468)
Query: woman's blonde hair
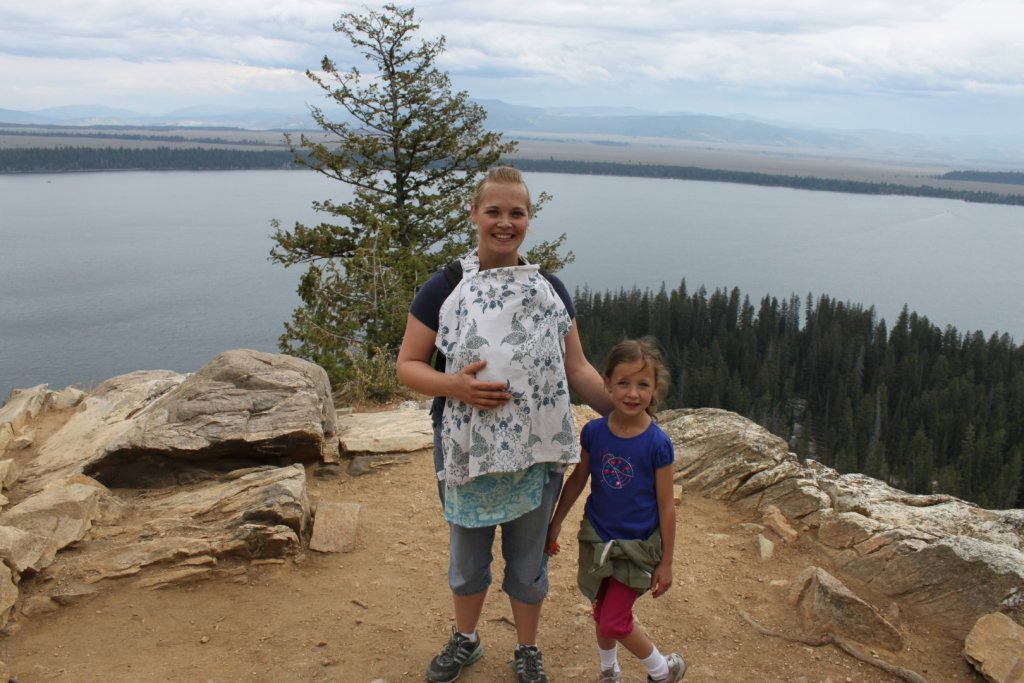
point(648, 351)
point(502, 175)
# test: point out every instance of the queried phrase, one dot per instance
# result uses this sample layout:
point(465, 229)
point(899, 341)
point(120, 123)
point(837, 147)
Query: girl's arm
point(583, 378)
point(661, 580)
point(414, 371)
point(571, 490)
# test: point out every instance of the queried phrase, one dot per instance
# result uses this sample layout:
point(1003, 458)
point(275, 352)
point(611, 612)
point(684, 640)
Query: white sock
point(471, 637)
point(657, 665)
point(609, 658)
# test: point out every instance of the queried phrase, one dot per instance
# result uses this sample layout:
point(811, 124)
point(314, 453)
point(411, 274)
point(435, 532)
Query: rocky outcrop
point(159, 478)
point(935, 555)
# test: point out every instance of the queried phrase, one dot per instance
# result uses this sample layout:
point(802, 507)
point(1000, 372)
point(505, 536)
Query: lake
point(106, 273)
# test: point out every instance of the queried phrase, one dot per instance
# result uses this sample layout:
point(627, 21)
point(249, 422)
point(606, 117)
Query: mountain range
point(613, 125)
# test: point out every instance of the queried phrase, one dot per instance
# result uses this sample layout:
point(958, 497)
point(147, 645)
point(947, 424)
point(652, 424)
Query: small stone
point(204, 640)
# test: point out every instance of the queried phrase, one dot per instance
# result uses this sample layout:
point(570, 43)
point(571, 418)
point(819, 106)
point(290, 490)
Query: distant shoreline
point(38, 149)
point(766, 179)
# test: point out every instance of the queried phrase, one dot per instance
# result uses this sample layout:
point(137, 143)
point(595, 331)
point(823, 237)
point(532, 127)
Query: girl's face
point(632, 386)
point(501, 216)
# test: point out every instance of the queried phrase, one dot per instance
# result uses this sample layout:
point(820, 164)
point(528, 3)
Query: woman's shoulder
point(426, 304)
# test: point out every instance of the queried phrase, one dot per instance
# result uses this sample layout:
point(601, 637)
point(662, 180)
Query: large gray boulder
point(243, 407)
point(159, 476)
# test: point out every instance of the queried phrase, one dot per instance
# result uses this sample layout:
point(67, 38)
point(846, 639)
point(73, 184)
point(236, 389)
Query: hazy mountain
point(261, 119)
point(22, 117)
point(93, 114)
point(623, 124)
point(748, 130)
point(199, 117)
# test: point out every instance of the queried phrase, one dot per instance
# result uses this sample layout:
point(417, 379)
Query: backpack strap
point(452, 275)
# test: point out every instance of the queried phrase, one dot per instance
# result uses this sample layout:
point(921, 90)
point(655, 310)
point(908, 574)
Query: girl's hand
point(661, 580)
point(551, 547)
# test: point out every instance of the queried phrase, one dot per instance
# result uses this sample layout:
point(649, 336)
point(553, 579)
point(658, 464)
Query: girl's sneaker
point(676, 669)
point(610, 676)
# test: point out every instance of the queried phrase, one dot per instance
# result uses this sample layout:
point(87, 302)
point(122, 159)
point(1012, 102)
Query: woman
point(503, 425)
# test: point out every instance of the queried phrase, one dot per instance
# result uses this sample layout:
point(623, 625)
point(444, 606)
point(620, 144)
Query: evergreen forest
point(927, 410)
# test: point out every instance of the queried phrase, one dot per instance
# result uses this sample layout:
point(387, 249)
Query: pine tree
point(412, 150)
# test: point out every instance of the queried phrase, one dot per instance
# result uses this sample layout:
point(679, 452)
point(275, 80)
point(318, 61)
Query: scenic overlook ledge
point(177, 511)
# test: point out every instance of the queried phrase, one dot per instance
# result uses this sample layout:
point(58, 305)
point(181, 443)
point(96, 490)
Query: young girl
point(628, 530)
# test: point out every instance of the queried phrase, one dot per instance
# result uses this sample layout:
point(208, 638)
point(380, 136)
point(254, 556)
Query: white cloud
point(667, 54)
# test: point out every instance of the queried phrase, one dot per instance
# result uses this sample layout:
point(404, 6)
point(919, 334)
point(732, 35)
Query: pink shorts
point(613, 609)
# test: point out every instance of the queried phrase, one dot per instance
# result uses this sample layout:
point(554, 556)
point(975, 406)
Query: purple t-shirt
point(623, 501)
point(426, 307)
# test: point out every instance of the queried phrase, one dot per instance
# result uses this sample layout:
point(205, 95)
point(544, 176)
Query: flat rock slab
point(995, 647)
point(392, 431)
point(335, 527)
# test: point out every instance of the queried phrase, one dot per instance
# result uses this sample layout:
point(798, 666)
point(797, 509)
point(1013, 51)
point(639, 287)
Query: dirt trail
point(382, 611)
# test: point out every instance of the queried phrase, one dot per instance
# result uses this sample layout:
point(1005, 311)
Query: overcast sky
point(934, 66)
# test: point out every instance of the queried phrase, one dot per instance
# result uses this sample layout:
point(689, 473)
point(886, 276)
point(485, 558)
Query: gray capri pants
point(522, 546)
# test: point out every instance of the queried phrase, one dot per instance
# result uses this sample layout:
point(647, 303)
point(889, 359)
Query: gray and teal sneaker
point(456, 654)
point(529, 665)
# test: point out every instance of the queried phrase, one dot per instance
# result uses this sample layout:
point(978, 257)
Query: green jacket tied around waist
point(630, 561)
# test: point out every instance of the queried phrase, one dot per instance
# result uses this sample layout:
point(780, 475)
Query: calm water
point(106, 273)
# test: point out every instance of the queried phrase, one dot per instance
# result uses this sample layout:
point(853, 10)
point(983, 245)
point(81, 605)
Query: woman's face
point(501, 216)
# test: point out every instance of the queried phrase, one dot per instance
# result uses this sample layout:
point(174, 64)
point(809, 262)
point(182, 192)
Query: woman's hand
point(478, 393)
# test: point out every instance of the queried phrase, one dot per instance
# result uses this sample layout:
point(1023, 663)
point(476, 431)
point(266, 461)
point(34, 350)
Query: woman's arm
point(414, 371)
point(571, 490)
point(661, 580)
point(583, 378)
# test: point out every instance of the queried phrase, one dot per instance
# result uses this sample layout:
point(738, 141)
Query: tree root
point(842, 644)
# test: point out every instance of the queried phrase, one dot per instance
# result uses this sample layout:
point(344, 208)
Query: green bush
point(369, 377)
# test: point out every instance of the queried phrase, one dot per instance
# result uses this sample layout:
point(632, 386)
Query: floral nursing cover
point(513, 319)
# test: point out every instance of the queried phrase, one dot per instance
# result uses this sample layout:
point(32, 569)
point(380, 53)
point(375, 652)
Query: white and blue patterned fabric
point(513, 319)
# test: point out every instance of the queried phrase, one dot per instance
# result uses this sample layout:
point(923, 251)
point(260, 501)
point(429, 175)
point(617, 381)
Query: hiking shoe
point(676, 669)
point(610, 676)
point(529, 666)
point(459, 652)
